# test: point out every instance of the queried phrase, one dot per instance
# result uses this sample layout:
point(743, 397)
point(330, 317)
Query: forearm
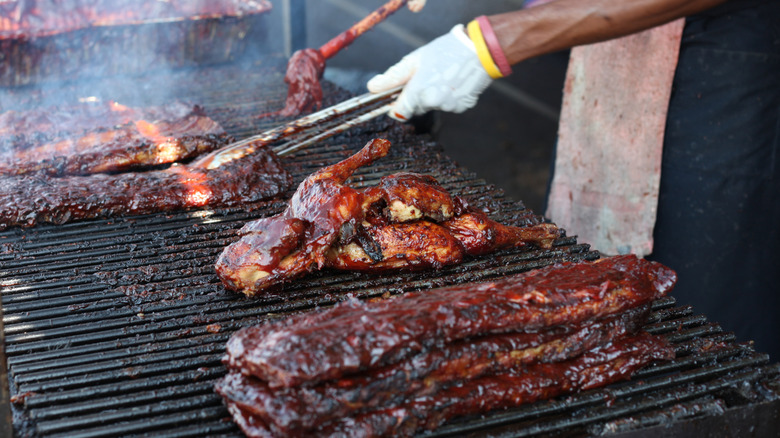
point(563, 24)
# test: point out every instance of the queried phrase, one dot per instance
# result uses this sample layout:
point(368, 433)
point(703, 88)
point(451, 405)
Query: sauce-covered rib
point(104, 137)
point(396, 366)
point(297, 409)
point(31, 199)
point(376, 334)
point(609, 363)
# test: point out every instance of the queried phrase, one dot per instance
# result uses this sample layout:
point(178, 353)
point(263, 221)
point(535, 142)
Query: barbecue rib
point(29, 199)
point(613, 362)
point(304, 92)
point(116, 139)
point(408, 221)
point(294, 410)
point(363, 336)
point(38, 18)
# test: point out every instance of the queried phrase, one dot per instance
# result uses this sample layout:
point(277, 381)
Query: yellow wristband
point(475, 33)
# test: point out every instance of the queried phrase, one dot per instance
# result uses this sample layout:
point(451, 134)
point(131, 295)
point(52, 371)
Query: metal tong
point(306, 130)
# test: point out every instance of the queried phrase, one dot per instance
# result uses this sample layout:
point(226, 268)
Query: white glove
point(444, 74)
point(416, 5)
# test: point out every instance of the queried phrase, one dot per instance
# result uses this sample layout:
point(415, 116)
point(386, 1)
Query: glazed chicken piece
point(406, 197)
point(407, 221)
point(412, 222)
point(416, 245)
point(286, 246)
point(481, 235)
point(423, 244)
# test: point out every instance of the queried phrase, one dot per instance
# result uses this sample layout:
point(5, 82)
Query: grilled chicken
point(278, 249)
point(407, 221)
point(420, 244)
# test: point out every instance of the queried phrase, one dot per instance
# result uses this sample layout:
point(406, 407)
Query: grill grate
point(117, 326)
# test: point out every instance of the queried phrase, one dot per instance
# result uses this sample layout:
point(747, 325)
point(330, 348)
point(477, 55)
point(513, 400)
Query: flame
point(167, 149)
point(198, 192)
point(167, 152)
point(118, 107)
point(148, 130)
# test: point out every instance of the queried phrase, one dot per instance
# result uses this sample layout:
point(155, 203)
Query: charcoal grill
point(116, 327)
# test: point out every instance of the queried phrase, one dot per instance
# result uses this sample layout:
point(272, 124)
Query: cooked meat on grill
point(304, 92)
point(295, 410)
point(37, 18)
point(408, 221)
point(40, 125)
point(405, 197)
point(288, 245)
point(415, 245)
point(480, 235)
point(612, 362)
point(424, 244)
point(362, 336)
point(29, 199)
point(117, 139)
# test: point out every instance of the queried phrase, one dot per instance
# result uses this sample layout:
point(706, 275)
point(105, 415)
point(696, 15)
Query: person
point(717, 183)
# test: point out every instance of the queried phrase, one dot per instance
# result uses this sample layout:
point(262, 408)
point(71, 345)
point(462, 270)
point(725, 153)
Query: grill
point(116, 327)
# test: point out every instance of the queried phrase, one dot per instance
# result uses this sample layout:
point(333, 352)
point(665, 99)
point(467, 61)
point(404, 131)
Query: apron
point(610, 139)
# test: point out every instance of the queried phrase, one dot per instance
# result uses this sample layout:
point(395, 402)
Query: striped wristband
point(495, 48)
point(475, 34)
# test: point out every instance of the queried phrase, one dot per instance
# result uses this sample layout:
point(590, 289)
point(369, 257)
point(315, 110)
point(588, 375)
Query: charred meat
point(410, 363)
point(98, 138)
point(300, 408)
point(30, 199)
point(378, 334)
point(38, 18)
point(408, 221)
point(286, 246)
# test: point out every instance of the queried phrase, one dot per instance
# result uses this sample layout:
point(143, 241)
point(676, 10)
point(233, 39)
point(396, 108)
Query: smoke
point(131, 51)
point(85, 54)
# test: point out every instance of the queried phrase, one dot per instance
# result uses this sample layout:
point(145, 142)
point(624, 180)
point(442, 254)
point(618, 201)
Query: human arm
point(563, 24)
point(446, 74)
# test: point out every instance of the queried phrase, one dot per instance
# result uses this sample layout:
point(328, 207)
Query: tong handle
point(293, 146)
point(251, 144)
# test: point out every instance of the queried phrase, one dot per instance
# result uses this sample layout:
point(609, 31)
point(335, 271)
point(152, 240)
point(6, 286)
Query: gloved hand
point(445, 74)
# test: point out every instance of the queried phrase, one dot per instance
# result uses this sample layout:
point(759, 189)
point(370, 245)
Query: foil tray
point(86, 44)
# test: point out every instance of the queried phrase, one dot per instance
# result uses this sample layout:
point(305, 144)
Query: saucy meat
point(609, 363)
point(401, 365)
point(408, 221)
point(97, 138)
point(26, 200)
point(365, 335)
point(297, 409)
